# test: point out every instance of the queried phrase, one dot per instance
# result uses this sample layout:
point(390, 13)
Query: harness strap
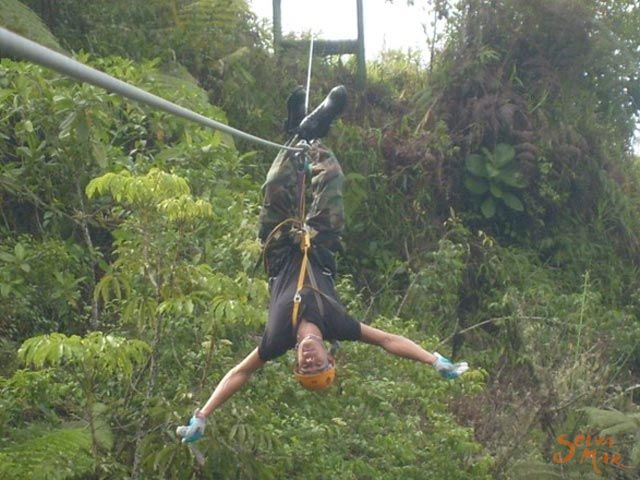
point(305, 245)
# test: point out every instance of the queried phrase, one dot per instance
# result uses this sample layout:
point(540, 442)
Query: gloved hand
point(448, 370)
point(194, 431)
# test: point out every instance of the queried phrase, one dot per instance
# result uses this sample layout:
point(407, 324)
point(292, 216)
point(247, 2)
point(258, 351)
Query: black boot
point(295, 109)
point(317, 123)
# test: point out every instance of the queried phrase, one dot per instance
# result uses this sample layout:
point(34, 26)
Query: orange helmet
point(319, 380)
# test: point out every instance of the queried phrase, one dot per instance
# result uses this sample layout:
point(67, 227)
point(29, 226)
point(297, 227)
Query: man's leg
point(279, 194)
point(326, 212)
point(280, 203)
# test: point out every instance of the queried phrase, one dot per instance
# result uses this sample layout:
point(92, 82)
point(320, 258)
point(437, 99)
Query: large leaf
point(512, 177)
point(496, 191)
point(476, 185)
point(513, 202)
point(476, 164)
point(488, 207)
point(503, 155)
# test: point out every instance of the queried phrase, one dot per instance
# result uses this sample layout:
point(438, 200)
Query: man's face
point(312, 356)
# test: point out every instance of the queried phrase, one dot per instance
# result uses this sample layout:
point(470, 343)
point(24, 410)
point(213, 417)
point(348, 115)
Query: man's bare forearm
point(233, 381)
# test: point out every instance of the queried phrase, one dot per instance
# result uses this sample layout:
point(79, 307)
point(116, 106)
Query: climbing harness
point(21, 47)
point(301, 233)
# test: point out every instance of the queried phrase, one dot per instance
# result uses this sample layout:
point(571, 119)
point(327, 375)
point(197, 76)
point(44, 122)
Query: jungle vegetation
point(493, 214)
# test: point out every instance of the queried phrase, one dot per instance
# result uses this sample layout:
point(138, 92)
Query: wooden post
point(277, 25)
point(325, 47)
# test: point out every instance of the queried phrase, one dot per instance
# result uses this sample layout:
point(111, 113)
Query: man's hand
point(448, 370)
point(194, 431)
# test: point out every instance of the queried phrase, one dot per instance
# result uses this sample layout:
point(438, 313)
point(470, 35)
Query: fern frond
point(612, 421)
point(56, 454)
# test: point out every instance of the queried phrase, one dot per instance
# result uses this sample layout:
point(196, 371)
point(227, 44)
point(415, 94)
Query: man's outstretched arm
point(233, 381)
point(396, 344)
point(406, 348)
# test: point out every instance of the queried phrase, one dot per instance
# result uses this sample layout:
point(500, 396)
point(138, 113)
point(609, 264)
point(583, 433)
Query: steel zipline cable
point(21, 47)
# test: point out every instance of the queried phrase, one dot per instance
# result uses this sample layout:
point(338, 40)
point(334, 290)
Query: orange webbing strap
point(305, 245)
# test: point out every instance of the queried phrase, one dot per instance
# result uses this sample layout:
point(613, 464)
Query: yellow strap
point(304, 245)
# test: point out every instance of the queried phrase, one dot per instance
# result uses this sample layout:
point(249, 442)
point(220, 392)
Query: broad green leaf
point(65, 125)
point(7, 257)
point(476, 164)
point(503, 155)
point(496, 191)
point(99, 154)
point(20, 251)
point(492, 171)
point(512, 202)
point(511, 177)
point(476, 185)
point(488, 207)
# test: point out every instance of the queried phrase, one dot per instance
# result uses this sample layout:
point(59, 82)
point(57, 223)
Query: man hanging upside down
point(299, 249)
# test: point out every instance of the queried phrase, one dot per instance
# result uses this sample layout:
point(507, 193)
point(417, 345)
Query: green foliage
point(493, 177)
point(615, 434)
point(214, 40)
point(52, 126)
point(613, 422)
point(96, 353)
point(51, 454)
point(623, 426)
point(433, 294)
point(56, 135)
point(530, 75)
point(161, 289)
point(17, 17)
point(398, 74)
point(530, 309)
point(40, 286)
point(84, 364)
point(28, 396)
point(153, 188)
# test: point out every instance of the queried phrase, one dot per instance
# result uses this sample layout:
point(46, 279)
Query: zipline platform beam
point(324, 47)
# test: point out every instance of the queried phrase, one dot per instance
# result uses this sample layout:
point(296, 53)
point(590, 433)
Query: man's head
point(315, 368)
